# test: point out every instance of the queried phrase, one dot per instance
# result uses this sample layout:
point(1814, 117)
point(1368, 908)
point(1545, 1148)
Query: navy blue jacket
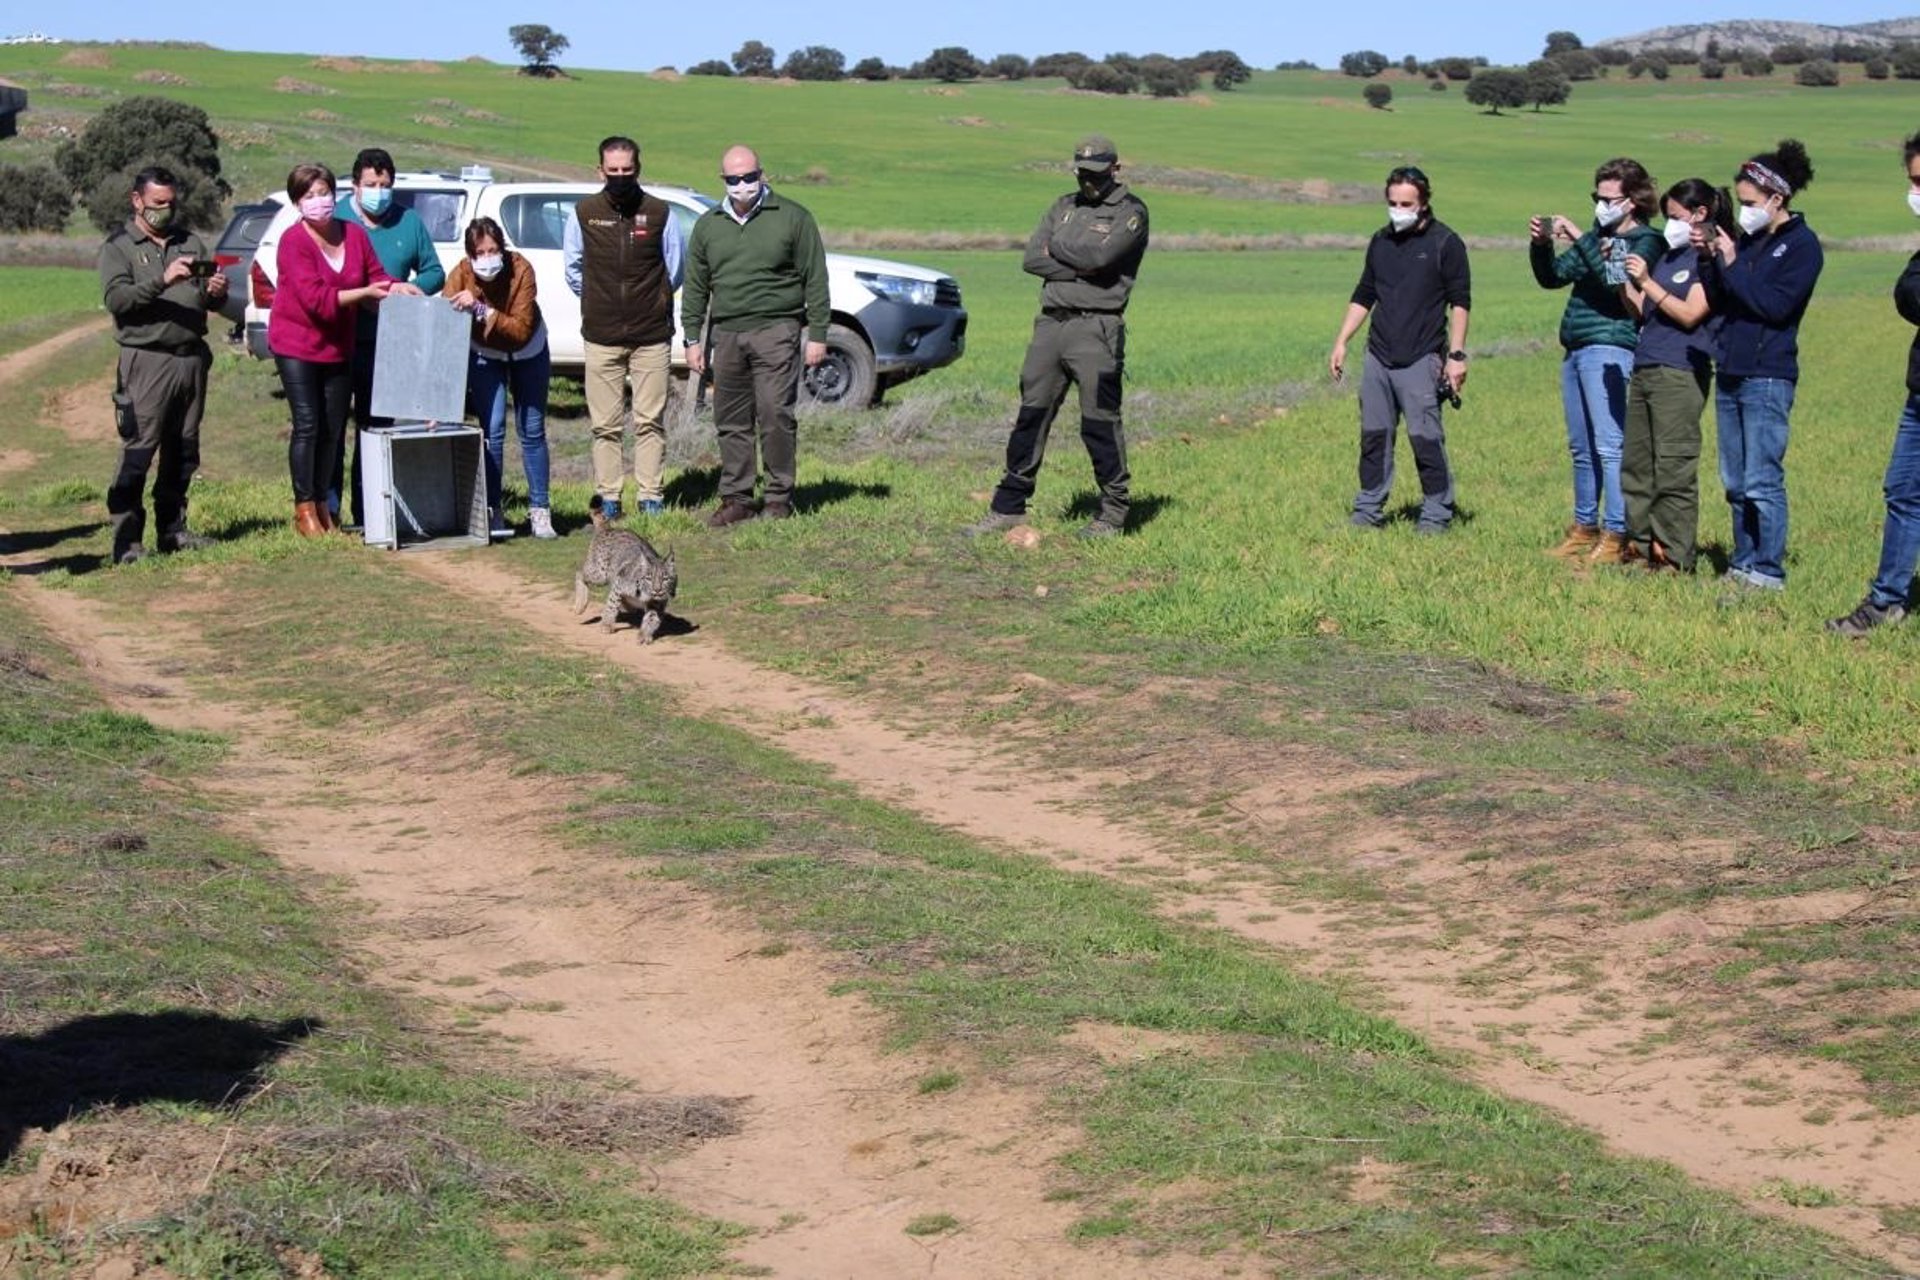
point(1760, 299)
point(1906, 296)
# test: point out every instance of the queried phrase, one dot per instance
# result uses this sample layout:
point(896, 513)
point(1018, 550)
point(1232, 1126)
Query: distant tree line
point(1156, 74)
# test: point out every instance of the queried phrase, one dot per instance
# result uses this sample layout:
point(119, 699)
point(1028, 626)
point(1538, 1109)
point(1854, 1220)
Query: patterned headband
point(1766, 179)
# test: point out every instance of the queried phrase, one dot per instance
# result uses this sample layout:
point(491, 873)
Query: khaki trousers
point(610, 371)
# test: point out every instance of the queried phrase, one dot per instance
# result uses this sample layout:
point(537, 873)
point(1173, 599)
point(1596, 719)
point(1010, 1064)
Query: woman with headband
point(1760, 286)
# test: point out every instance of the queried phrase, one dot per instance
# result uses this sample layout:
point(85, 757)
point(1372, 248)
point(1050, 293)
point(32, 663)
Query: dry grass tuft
point(630, 1125)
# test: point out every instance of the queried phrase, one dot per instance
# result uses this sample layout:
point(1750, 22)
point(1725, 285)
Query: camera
point(202, 268)
point(1445, 391)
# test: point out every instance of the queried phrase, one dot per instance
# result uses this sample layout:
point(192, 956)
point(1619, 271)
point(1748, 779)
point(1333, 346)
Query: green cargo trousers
point(157, 409)
point(1660, 460)
point(1088, 349)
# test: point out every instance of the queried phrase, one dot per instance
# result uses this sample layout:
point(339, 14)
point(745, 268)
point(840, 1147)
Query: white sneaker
point(541, 522)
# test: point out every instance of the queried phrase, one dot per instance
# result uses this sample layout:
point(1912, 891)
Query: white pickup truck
point(891, 320)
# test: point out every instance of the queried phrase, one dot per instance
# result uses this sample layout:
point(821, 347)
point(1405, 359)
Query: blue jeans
point(487, 384)
point(1751, 419)
point(1593, 387)
point(1900, 543)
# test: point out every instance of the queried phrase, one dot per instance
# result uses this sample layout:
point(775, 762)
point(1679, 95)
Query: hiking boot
point(183, 540)
point(777, 511)
point(730, 511)
point(1100, 527)
point(1580, 540)
point(1611, 549)
point(652, 507)
point(132, 553)
point(995, 522)
point(1866, 616)
point(540, 521)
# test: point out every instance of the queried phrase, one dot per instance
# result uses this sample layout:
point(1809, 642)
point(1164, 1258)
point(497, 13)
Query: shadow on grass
point(700, 486)
point(1144, 509)
point(126, 1059)
point(14, 544)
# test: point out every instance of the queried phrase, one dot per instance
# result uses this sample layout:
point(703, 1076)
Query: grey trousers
point(162, 395)
point(756, 380)
point(1386, 396)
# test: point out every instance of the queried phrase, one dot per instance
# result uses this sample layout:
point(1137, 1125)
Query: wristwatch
point(1461, 356)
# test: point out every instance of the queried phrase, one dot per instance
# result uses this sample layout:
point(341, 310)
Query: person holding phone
point(1599, 331)
point(328, 271)
point(1672, 370)
point(1760, 285)
point(158, 281)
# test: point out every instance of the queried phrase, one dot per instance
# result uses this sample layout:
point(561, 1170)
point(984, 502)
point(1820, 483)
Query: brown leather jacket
point(513, 309)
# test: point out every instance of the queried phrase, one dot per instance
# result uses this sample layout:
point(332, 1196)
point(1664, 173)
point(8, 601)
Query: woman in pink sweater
point(328, 271)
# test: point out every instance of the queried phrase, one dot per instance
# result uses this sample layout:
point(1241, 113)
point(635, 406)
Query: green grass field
point(985, 157)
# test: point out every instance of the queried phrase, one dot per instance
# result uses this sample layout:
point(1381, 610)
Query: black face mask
point(623, 188)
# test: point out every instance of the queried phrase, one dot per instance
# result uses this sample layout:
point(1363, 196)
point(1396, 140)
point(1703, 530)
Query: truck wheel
point(846, 378)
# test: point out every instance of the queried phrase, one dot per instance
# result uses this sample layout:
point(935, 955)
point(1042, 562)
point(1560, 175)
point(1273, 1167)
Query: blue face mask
point(376, 199)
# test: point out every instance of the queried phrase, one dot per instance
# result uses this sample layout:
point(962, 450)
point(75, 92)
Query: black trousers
point(318, 397)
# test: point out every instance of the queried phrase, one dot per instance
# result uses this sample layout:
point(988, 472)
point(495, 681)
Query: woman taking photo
point(327, 272)
point(1672, 370)
point(1759, 286)
point(1599, 332)
point(509, 353)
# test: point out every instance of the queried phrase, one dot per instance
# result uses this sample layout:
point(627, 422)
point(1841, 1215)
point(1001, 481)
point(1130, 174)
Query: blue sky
point(636, 37)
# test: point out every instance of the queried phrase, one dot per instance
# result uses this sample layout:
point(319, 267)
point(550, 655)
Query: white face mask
point(1754, 218)
point(1679, 233)
point(1609, 212)
point(489, 265)
point(1913, 202)
point(1402, 219)
point(743, 194)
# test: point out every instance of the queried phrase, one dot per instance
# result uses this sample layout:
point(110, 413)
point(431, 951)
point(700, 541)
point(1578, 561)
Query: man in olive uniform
point(1087, 249)
point(158, 279)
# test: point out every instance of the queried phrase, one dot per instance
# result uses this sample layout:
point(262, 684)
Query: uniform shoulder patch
point(1133, 223)
point(1681, 277)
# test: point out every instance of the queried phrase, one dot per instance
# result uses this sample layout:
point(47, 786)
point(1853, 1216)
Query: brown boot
point(1580, 540)
point(323, 514)
point(1658, 561)
point(1611, 549)
point(306, 522)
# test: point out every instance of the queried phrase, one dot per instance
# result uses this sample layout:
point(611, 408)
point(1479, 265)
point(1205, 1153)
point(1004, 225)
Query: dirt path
point(1684, 1104)
point(17, 364)
point(587, 965)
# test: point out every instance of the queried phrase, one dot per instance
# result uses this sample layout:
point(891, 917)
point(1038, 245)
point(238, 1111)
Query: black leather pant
point(318, 396)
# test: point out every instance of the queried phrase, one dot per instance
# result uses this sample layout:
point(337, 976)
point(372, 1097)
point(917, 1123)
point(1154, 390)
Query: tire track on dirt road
point(1685, 1104)
point(584, 963)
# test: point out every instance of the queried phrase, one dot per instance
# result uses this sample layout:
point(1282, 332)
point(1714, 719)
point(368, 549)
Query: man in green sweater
point(405, 248)
point(756, 282)
point(157, 279)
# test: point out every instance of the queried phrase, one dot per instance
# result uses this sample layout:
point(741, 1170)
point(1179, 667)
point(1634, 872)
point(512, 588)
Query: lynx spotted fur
point(635, 575)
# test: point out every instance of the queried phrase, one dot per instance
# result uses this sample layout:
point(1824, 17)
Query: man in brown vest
point(623, 255)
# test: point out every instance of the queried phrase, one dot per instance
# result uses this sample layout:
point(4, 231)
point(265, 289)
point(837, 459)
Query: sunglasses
point(735, 179)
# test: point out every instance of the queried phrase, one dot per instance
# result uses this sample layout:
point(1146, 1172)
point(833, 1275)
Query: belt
point(1072, 313)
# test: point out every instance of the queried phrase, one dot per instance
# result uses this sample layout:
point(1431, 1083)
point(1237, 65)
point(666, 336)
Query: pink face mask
point(317, 208)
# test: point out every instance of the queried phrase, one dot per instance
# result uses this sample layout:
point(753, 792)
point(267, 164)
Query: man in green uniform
point(158, 279)
point(1088, 249)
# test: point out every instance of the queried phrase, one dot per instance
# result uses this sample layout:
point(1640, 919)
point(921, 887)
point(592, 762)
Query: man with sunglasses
point(1414, 294)
point(621, 252)
point(756, 287)
point(1087, 251)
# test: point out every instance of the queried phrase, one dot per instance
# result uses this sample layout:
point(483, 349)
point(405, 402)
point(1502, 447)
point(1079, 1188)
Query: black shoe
point(132, 553)
point(1866, 616)
point(1100, 527)
point(995, 522)
point(184, 540)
